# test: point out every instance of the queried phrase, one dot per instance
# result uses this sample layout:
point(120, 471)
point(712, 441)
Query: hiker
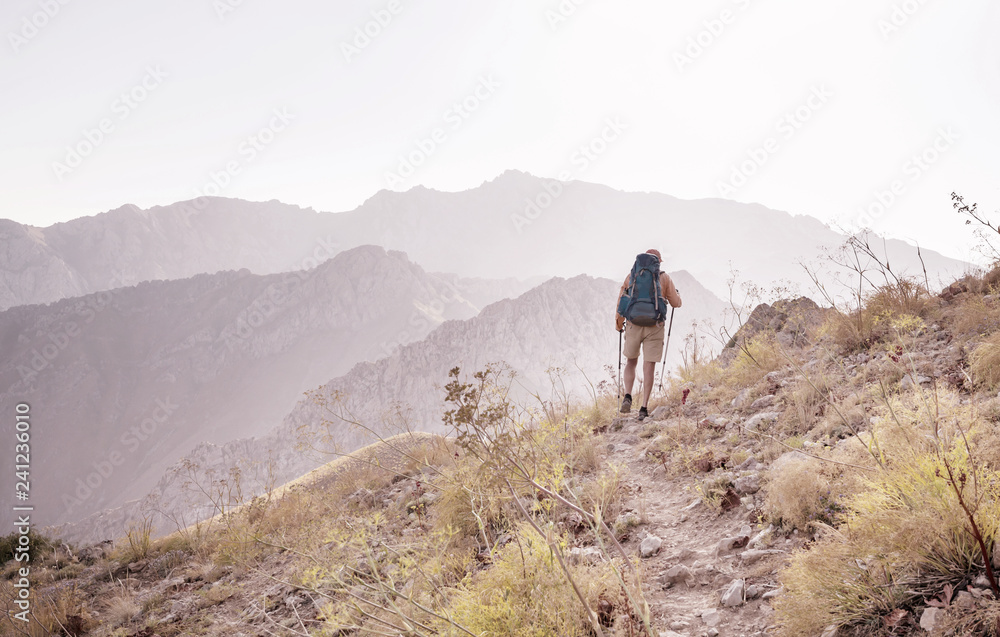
point(645, 327)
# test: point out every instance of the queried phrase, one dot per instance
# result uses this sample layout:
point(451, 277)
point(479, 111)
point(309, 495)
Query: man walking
point(648, 338)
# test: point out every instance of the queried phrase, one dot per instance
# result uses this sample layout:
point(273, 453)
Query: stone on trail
point(734, 593)
point(747, 485)
point(931, 618)
point(741, 399)
point(712, 618)
point(660, 413)
point(763, 401)
point(752, 424)
point(650, 546)
point(676, 574)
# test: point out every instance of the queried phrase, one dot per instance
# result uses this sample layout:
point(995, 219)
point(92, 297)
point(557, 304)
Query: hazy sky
point(816, 108)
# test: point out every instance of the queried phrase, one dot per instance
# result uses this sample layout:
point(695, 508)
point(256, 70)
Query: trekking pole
point(666, 346)
point(620, 369)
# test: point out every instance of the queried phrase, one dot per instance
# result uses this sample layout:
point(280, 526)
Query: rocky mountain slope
point(566, 324)
point(124, 383)
point(747, 478)
point(533, 227)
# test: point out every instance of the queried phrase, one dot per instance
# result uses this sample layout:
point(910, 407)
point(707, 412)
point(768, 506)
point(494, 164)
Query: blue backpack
point(643, 304)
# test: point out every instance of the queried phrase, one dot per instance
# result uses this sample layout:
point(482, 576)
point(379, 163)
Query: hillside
point(579, 229)
point(565, 324)
point(812, 481)
point(129, 381)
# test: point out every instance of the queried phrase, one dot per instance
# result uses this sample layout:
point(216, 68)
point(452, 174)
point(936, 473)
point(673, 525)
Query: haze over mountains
point(562, 323)
point(194, 328)
point(516, 225)
point(127, 381)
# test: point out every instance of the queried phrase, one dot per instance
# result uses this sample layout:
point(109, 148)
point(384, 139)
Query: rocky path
point(712, 573)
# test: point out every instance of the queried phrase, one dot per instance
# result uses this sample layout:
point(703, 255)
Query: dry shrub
point(757, 357)
point(473, 501)
point(525, 592)
point(887, 310)
point(985, 363)
point(985, 437)
point(66, 607)
point(604, 493)
point(121, 609)
point(845, 417)
point(973, 316)
point(798, 493)
point(805, 405)
point(905, 538)
point(904, 533)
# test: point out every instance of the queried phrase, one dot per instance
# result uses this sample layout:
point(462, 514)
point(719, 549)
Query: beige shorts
point(651, 339)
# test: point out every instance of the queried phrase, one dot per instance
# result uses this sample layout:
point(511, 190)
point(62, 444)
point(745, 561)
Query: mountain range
point(558, 338)
point(516, 225)
point(124, 382)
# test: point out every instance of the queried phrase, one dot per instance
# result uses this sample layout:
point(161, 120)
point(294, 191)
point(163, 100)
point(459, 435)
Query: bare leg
point(630, 366)
point(648, 371)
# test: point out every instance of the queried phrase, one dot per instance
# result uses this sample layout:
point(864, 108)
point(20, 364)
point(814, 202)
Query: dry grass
point(67, 608)
point(972, 316)
point(904, 534)
point(121, 609)
point(798, 494)
point(757, 357)
point(985, 363)
point(525, 592)
point(885, 312)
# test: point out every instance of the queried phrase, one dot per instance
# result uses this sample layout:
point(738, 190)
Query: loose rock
point(734, 594)
point(931, 618)
point(676, 575)
point(712, 618)
point(650, 546)
point(763, 401)
point(747, 485)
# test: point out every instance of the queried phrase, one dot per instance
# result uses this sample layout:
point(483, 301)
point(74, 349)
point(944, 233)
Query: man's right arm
point(619, 319)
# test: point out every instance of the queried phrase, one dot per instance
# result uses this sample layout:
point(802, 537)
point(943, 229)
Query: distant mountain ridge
point(562, 323)
point(516, 225)
point(128, 381)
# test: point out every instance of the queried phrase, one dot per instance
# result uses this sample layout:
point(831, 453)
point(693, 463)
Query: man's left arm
point(669, 291)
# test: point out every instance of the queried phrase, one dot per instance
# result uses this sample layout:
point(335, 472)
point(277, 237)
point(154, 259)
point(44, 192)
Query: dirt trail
point(691, 533)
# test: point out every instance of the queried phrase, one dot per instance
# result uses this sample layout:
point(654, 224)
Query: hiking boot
point(643, 414)
point(626, 404)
